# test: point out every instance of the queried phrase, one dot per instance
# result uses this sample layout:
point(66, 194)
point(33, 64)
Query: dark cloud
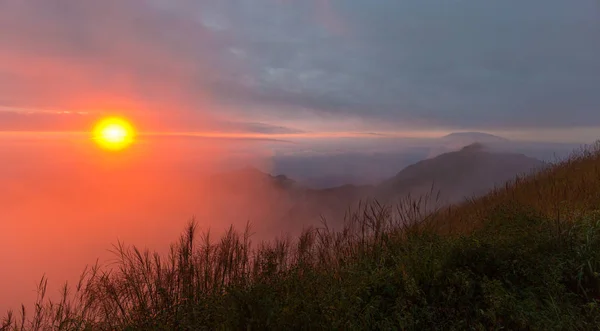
point(456, 63)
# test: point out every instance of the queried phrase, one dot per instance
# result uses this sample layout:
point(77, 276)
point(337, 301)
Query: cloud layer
point(382, 64)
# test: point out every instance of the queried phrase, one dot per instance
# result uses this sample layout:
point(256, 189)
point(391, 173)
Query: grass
point(524, 257)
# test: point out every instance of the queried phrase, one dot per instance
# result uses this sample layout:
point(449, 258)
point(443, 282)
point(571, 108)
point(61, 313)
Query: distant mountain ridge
point(471, 171)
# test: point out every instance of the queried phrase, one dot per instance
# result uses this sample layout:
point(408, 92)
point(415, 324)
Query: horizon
point(587, 135)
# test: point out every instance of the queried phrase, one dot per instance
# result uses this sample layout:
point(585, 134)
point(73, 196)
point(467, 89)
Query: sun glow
point(113, 133)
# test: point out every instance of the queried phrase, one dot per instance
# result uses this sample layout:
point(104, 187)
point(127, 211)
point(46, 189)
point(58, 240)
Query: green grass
point(524, 257)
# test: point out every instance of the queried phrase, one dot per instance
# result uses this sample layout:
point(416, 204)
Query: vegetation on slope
point(526, 256)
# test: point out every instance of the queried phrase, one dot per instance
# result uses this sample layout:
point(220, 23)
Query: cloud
point(257, 127)
point(432, 63)
point(19, 119)
point(456, 64)
point(105, 56)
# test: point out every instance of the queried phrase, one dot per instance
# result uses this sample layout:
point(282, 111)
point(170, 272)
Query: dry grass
point(564, 191)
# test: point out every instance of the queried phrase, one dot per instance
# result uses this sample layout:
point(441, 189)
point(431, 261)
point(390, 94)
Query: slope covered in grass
point(525, 256)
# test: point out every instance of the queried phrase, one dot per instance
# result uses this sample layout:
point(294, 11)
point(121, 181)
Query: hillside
point(523, 257)
point(472, 171)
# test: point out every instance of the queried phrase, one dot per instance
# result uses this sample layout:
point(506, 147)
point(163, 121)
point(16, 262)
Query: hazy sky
point(289, 65)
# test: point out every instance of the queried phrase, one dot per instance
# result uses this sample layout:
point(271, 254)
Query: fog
point(322, 163)
point(63, 201)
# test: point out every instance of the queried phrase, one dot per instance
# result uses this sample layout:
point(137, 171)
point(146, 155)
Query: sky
point(288, 66)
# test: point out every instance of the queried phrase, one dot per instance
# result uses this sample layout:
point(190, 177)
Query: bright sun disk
point(113, 133)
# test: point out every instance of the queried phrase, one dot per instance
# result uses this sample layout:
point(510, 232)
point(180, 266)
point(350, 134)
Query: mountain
point(471, 171)
point(278, 199)
point(457, 140)
point(250, 177)
point(468, 172)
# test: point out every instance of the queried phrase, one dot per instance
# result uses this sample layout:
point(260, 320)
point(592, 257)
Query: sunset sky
point(285, 66)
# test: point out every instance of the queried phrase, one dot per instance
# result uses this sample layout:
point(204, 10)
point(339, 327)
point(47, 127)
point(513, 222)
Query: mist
point(63, 201)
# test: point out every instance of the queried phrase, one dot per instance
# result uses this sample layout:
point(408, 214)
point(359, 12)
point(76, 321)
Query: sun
point(113, 133)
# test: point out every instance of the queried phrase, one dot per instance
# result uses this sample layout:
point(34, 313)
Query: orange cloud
point(109, 56)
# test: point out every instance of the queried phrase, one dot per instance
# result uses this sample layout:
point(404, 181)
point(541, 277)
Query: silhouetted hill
point(471, 171)
point(250, 178)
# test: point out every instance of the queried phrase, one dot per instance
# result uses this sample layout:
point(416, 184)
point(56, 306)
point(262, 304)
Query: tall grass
point(526, 256)
point(563, 191)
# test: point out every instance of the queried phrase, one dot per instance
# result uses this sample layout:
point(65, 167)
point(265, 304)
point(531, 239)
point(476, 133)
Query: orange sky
point(64, 201)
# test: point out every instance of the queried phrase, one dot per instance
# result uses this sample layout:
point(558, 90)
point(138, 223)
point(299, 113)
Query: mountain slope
point(471, 171)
